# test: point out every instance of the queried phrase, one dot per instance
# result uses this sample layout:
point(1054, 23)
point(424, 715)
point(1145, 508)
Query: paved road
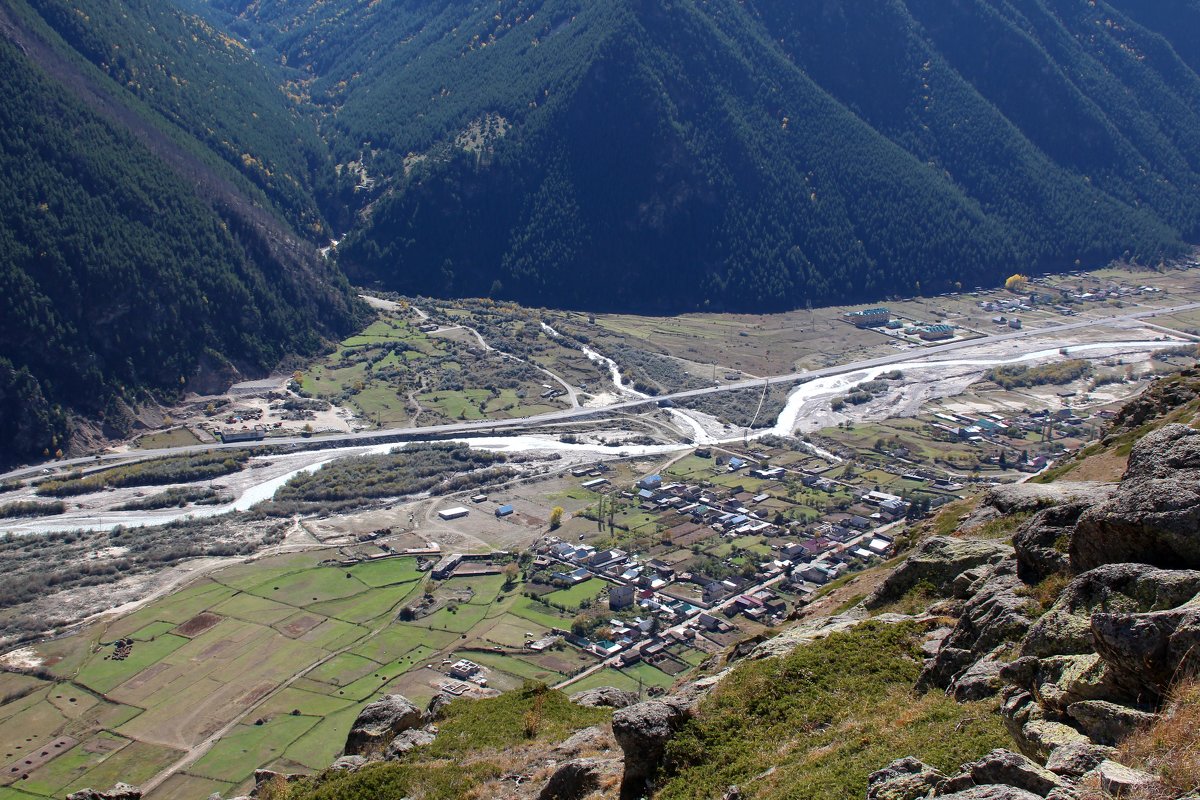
point(493, 426)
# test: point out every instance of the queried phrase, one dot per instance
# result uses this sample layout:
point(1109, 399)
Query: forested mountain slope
point(171, 165)
point(668, 155)
point(131, 250)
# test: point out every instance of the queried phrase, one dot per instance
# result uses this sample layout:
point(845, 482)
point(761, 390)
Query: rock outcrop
point(604, 697)
point(576, 779)
point(1154, 516)
point(1095, 667)
point(937, 562)
point(380, 722)
point(122, 791)
point(642, 731)
point(1113, 588)
point(1147, 652)
point(407, 741)
point(1073, 761)
point(995, 615)
point(904, 779)
point(1005, 768)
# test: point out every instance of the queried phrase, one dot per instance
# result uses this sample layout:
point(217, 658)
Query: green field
point(576, 595)
point(453, 379)
point(237, 755)
point(386, 571)
point(539, 614)
point(310, 586)
point(516, 666)
point(104, 674)
point(624, 678)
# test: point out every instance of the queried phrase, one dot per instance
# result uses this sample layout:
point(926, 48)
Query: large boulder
point(407, 741)
point(122, 791)
point(380, 722)
point(1113, 588)
point(1108, 723)
point(1007, 768)
point(642, 731)
point(604, 697)
point(1057, 682)
point(903, 779)
point(349, 764)
point(1119, 780)
point(995, 791)
point(980, 680)
point(575, 780)
point(1042, 541)
point(1154, 517)
point(937, 561)
point(1075, 760)
point(1011, 498)
point(1147, 652)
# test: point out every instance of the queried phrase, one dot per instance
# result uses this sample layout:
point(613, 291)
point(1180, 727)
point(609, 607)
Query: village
point(721, 544)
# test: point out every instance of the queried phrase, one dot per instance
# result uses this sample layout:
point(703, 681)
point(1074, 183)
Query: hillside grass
point(475, 738)
point(825, 716)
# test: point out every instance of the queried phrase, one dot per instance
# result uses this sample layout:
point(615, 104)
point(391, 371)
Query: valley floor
point(185, 671)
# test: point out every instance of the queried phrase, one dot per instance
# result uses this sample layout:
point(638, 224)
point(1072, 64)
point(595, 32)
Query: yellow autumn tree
point(1016, 283)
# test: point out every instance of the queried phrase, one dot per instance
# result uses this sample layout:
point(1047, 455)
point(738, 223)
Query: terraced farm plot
point(314, 585)
point(252, 608)
point(317, 749)
point(102, 760)
point(236, 756)
point(401, 638)
point(13, 684)
point(515, 666)
point(9, 793)
point(182, 786)
point(27, 724)
point(151, 631)
point(309, 704)
point(249, 574)
point(373, 682)
point(71, 700)
point(369, 605)
point(386, 571)
point(333, 635)
point(103, 674)
point(458, 618)
point(342, 669)
point(626, 679)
